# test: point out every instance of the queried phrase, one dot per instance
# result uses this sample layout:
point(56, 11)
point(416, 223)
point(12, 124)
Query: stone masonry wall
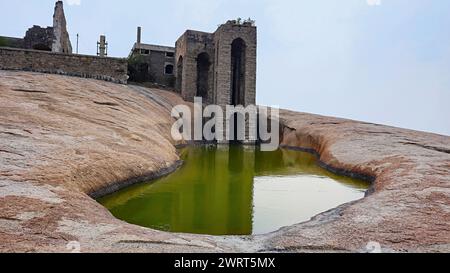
point(108, 69)
point(158, 61)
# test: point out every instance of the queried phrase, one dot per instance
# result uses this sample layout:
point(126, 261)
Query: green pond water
point(234, 190)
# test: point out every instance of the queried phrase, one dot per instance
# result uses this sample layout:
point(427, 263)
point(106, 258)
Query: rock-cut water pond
point(234, 190)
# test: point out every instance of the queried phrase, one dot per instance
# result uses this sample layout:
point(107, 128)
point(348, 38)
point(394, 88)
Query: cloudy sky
point(383, 61)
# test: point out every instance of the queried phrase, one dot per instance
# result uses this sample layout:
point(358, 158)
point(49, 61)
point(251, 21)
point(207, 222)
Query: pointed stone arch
point(203, 70)
point(179, 80)
point(238, 67)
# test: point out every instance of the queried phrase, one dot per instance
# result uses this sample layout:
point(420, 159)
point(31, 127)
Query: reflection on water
point(234, 191)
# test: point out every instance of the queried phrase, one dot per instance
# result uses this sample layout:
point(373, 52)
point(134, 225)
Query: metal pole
point(78, 36)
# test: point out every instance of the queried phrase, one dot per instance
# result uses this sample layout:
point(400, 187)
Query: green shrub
point(3, 41)
point(135, 59)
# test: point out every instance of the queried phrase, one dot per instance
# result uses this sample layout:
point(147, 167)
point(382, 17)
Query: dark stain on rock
point(432, 148)
point(29, 91)
point(106, 103)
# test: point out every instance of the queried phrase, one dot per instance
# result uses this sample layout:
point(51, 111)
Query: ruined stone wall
point(158, 61)
point(180, 72)
point(39, 38)
point(108, 69)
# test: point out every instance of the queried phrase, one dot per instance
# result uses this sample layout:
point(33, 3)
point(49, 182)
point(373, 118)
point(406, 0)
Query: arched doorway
point(238, 72)
point(179, 74)
point(238, 87)
point(203, 65)
point(168, 69)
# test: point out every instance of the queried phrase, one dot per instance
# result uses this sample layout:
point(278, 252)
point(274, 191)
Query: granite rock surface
point(63, 139)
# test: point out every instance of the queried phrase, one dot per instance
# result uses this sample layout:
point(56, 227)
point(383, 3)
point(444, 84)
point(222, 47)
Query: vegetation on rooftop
point(3, 41)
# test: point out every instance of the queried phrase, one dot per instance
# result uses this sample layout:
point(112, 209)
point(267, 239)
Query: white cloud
point(374, 2)
point(74, 2)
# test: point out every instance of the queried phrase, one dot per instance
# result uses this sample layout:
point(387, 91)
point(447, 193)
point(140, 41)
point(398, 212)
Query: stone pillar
point(102, 46)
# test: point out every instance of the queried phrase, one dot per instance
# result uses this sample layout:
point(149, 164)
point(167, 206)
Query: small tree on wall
point(138, 69)
point(249, 21)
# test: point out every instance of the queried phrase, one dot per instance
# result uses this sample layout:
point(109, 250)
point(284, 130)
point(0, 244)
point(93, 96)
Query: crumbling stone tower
point(220, 67)
point(61, 40)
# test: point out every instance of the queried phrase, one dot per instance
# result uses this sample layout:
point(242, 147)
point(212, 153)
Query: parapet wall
point(108, 69)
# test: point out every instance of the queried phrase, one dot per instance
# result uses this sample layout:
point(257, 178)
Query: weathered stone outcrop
point(64, 138)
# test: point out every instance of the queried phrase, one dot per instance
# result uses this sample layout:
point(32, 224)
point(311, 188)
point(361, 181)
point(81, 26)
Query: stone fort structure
point(220, 67)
